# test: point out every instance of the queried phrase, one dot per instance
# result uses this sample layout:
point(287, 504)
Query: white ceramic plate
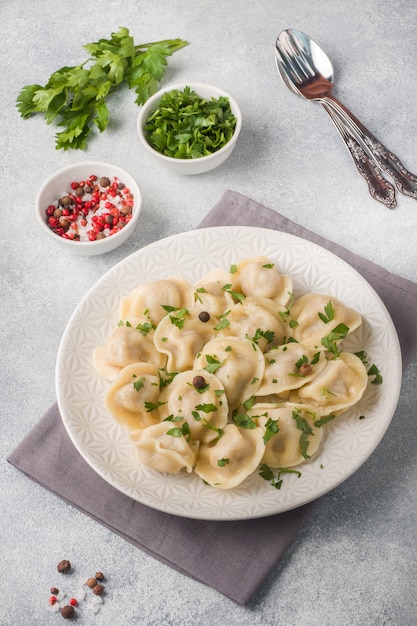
point(349, 441)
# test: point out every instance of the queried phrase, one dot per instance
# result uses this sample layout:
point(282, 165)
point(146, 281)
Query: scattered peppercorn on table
point(353, 560)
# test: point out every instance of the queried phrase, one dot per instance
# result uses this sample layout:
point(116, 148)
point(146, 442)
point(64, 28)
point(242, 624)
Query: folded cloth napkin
point(233, 557)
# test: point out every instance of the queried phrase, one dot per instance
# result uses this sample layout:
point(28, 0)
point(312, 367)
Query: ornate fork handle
point(379, 188)
point(405, 181)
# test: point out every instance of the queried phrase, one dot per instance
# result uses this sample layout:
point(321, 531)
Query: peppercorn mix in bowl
point(190, 128)
point(89, 208)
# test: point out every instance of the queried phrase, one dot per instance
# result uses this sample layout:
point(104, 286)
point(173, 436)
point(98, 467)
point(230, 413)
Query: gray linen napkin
point(233, 557)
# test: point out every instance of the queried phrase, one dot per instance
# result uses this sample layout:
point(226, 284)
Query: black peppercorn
point(204, 316)
point(104, 181)
point(98, 590)
point(67, 611)
point(99, 576)
point(199, 382)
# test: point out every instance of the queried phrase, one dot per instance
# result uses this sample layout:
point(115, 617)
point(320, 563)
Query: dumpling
point(237, 362)
point(198, 398)
point(259, 278)
point(339, 385)
point(148, 299)
point(297, 439)
point(127, 343)
point(233, 458)
point(209, 295)
point(180, 335)
point(250, 319)
point(315, 316)
point(289, 366)
point(164, 448)
point(133, 397)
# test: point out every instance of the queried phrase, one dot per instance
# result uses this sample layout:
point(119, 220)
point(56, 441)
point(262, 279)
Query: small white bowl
point(60, 182)
point(190, 166)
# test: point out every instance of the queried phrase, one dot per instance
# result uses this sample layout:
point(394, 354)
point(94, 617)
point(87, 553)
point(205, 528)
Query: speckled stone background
point(355, 563)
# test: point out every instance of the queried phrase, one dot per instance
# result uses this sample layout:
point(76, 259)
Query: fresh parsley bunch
point(75, 97)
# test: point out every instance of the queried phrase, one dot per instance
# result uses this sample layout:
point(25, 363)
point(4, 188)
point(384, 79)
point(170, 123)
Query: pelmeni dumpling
point(180, 335)
point(148, 299)
point(130, 342)
point(233, 458)
point(289, 366)
point(237, 362)
point(339, 385)
point(314, 316)
point(198, 398)
point(162, 447)
point(297, 439)
point(209, 295)
point(259, 278)
point(132, 395)
point(249, 318)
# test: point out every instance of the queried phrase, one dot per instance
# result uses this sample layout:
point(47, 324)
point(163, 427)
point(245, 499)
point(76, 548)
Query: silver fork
point(379, 188)
point(314, 86)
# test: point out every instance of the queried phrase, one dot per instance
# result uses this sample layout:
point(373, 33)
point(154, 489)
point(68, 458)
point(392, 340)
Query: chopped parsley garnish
point(206, 408)
point(271, 429)
point(276, 481)
point(243, 420)
point(224, 322)
point(324, 420)
point(139, 383)
point(184, 431)
point(152, 406)
point(187, 126)
point(285, 314)
point(213, 364)
point(179, 318)
point(306, 430)
point(269, 335)
point(374, 371)
point(145, 328)
point(197, 291)
point(236, 295)
point(223, 462)
point(328, 314)
point(331, 340)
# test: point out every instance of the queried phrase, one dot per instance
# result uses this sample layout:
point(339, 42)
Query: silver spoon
point(379, 188)
point(306, 55)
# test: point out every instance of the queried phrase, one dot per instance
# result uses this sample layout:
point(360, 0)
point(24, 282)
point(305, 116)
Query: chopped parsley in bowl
point(191, 128)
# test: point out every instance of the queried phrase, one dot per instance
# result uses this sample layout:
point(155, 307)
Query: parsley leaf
point(267, 474)
point(374, 371)
point(331, 340)
point(213, 364)
point(75, 97)
point(328, 314)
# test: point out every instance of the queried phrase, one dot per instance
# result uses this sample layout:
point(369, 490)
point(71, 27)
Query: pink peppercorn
point(99, 205)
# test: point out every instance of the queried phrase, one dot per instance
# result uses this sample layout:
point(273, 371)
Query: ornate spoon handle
point(405, 181)
point(379, 188)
